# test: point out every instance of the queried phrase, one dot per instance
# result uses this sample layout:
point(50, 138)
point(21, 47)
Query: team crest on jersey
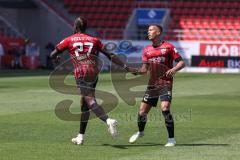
point(163, 50)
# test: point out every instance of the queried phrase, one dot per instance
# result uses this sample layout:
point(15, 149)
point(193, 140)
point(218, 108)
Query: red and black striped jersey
point(160, 59)
point(83, 51)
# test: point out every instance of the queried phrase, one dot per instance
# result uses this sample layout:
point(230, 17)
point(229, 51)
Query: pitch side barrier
point(200, 57)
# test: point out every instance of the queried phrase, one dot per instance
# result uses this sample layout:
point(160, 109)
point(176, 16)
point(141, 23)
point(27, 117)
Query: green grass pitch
point(206, 109)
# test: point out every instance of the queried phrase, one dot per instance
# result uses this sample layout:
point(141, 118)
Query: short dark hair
point(157, 25)
point(80, 24)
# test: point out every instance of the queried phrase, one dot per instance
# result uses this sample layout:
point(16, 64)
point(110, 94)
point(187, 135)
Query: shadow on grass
point(204, 144)
point(126, 146)
point(4, 87)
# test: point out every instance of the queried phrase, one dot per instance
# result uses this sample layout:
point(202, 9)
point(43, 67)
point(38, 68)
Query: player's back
point(83, 50)
point(83, 47)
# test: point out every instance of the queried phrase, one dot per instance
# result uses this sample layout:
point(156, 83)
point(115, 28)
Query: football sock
point(99, 112)
point(142, 120)
point(84, 117)
point(169, 123)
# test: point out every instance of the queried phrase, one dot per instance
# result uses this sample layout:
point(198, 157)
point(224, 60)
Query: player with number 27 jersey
point(84, 51)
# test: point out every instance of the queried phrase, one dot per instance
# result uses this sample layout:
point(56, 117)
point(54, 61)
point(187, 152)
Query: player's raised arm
point(117, 60)
point(62, 46)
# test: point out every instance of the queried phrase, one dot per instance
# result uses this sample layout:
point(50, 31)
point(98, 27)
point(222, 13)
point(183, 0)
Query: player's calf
point(169, 122)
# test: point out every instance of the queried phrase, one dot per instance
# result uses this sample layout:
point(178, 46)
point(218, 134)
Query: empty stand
point(190, 19)
point(201, 19)
point(109, 17)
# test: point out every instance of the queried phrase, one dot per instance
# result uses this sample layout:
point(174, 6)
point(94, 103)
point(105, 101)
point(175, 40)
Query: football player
point(158, 59)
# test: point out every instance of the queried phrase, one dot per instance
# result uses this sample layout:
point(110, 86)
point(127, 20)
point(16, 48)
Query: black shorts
point(152, 95)
point(86, 88)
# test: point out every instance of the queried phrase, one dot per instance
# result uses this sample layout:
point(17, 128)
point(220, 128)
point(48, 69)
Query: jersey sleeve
point(175, 54)
point(63, 45)
point(144, 57)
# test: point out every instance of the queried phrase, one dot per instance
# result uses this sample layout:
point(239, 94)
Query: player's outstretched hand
point(131, 69)
point(170, 73)
point(57, 59)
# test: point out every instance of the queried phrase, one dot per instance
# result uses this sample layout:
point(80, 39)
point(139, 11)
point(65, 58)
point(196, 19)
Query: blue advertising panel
point(148, 16)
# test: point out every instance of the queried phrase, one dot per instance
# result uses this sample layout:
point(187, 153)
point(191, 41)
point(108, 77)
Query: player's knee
point(142, 112)
point(165, 106)
point(89, 100)
point(144, 109)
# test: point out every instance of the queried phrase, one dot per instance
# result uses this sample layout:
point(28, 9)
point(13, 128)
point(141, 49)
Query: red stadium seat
point(208, 15)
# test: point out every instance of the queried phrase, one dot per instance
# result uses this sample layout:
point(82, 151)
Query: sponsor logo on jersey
point(157, 59)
